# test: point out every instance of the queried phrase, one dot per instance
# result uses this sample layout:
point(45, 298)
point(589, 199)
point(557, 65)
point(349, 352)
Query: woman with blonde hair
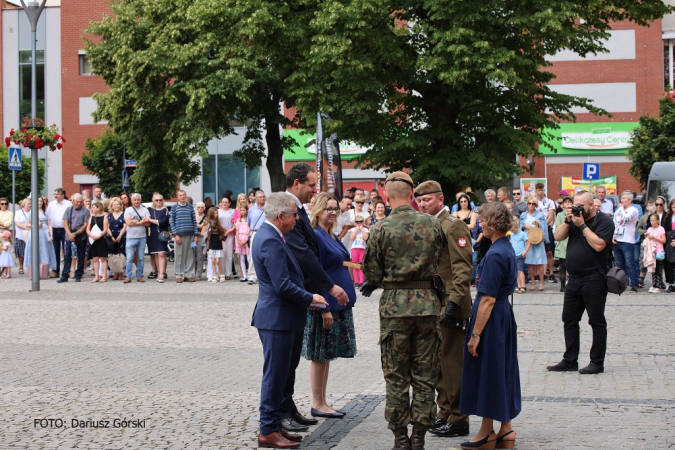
point(536, 257)
point(117, 229)
point(329, 333)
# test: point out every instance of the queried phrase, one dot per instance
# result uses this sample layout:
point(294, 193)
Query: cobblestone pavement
point(184, 360)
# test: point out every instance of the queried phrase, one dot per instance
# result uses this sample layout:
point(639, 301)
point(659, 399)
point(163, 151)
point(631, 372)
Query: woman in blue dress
point(490, 374)
point(329, 333)
point(46, 249)
point(536, 257)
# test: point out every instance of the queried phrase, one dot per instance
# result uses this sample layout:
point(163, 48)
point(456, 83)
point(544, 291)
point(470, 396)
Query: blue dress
point(491, 381)
point(46, 248)
point(537, 254)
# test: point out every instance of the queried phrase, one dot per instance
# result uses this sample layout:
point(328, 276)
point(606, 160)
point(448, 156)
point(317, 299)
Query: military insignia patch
point(461, 242)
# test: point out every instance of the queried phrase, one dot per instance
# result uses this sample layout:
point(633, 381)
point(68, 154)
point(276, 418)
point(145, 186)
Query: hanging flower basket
point(34, 134)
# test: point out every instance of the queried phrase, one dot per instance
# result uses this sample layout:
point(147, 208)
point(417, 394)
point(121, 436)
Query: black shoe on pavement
point(633, 289)
point(564, 366)
point(78, 279)
point(292, 426)
point(671, 288)
point(449, 430)
point(552, 279)
point(592, 369)
point(302, 420)
point(62, 280)
point(152, 275)
point(438, 423)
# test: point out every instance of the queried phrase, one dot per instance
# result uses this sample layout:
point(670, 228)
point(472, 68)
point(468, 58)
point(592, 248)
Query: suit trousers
point(185, 257)
point(586, 293)
point(59, 239)
point(278, 346)
point(450, 376)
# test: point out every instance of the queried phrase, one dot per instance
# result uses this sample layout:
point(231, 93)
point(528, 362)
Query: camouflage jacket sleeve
point(373, 265)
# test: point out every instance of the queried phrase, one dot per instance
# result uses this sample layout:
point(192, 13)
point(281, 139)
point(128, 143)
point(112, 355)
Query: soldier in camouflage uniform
point(402, 256)
point(455, 267)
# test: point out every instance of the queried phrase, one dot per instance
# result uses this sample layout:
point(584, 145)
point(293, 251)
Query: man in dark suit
point(301, 185)
point(280, 315)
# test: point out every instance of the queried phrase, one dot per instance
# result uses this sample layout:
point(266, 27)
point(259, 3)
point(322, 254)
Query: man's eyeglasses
point(659, 204)
point(295, 213)
point(332, 210)
point(516, 193)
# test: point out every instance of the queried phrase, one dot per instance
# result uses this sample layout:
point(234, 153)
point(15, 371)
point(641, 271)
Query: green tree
point(653, 140)
point(22, 177)
point(105, 159)
point(451, 89)
point(182, 72)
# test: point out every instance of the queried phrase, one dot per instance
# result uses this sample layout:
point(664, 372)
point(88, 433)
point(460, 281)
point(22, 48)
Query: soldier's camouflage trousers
point(410, 357)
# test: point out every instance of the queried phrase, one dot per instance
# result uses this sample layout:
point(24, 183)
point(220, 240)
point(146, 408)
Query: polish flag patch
point(461, 242)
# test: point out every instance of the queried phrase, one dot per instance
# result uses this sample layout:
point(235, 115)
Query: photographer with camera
point(588, 251)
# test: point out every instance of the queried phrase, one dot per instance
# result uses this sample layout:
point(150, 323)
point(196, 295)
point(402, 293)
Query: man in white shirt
point(625, 222)
point(607, 205)
point(547, 207)
point(345, 221)
point(55, 211)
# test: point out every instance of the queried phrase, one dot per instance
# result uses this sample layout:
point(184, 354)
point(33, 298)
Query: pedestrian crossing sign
point(14, 158)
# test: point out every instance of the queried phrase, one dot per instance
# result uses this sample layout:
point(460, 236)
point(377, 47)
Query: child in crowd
point(241, 243)
point(520, 246)
point(215, 233)
point(358, 235)
point(6, 257)
point(657, 235)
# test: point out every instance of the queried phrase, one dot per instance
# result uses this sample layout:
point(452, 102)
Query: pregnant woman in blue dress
point(490, 375)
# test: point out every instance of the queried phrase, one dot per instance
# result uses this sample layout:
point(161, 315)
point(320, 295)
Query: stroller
point(170, 254)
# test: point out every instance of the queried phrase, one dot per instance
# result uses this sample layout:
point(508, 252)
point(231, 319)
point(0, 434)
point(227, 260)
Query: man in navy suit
point(301, 185)
point(280, 315)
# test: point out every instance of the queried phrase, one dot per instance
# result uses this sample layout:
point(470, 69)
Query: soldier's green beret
point(400, 176)
point(428, 187)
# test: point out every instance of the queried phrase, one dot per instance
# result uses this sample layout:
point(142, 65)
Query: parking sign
point(591, 171)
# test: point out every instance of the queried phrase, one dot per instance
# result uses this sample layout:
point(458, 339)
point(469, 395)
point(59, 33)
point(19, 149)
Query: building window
point(668, 63)
point(25, 67)
point(85, 65)
point(222, 172)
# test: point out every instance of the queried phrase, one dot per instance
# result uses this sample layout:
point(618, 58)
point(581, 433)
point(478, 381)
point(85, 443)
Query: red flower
point(63, 139)
point(11, 132)
point(57, 136)
point(23, 130)
point(8, 142)
point(38, 143)
point(59, 146)
point(29, 137)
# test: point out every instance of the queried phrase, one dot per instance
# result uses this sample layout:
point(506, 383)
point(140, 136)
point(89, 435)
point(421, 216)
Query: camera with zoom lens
point(578, 210)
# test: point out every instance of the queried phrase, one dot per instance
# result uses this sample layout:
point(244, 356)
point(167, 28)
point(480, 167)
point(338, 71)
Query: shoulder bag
point(616, 278)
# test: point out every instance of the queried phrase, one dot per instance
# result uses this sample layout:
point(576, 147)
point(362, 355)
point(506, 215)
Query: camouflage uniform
point(406, 247)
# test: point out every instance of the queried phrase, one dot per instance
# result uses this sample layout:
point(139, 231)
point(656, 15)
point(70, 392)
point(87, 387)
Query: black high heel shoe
point(484, 443)
point(501, 443)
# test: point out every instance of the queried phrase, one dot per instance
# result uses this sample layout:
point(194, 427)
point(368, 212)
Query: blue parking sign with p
point(14, 158)
point(591, 171)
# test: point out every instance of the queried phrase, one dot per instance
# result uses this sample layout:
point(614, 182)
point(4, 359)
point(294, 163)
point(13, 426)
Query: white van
point(661, 181)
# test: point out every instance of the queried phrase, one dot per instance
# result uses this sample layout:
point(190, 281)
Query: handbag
point(117, 262)
point(43, 273)
point(535, 235)
point(164, 236)
point(109, 243)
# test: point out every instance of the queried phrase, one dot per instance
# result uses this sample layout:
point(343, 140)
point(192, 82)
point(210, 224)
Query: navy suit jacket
point(282, 300)
point(303, 243)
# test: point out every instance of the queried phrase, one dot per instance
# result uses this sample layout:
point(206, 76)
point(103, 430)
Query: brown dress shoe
point(179, 280)
point(127, 280)
point(276, 440)
point(141, 280)
point(291, 436)
point(190, 280)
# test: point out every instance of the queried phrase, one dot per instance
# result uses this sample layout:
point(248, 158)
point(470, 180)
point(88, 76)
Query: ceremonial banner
point(576, 184)
point(328, 163)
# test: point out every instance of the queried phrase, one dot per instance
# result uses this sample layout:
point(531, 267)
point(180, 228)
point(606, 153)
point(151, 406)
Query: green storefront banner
point(301, 152)
point(593, 139)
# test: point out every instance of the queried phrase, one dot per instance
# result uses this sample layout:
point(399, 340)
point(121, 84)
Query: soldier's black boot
point(401, 440)
point(417, 437)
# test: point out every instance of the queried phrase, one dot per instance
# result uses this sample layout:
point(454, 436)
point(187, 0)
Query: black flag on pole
point(328, 162)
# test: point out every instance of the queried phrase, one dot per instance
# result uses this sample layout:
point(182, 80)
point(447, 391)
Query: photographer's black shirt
point(581, 257)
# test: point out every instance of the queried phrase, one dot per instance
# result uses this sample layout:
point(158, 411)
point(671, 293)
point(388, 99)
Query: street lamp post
point(33, 11)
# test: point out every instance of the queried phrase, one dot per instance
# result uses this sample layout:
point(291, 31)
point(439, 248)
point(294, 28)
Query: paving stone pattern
point(184, 359)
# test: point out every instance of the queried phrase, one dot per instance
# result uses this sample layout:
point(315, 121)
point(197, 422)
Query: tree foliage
point(653, 140)
point(22, 177)
point(183, 72)
point(105, 159)
point(451, 89)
